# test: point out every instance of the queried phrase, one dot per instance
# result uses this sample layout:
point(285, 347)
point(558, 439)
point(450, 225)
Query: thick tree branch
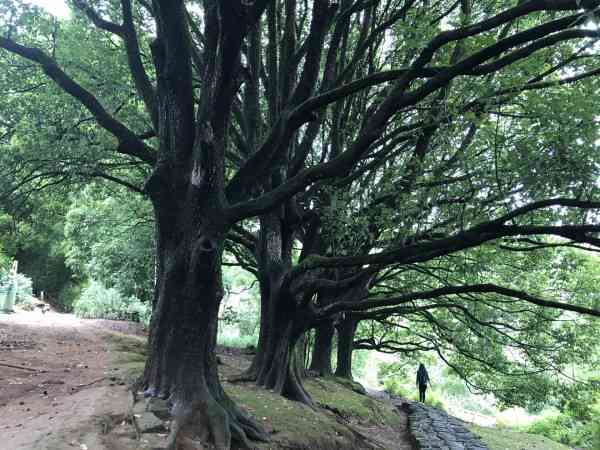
point(97, 20)
point(477, 235)
point(395, 101)
point(136, 66)
point(129, 143)
point(450, 290)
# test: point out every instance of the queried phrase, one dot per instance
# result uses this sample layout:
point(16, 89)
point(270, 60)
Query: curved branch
point(477, 235)
point(539, 37)
point(129, 142)
point(97, 20)
point(136, 66)
point(451, 290)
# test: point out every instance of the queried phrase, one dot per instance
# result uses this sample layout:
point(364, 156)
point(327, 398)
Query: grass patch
point(292, 424)
point(502, 439)
point(334, 394)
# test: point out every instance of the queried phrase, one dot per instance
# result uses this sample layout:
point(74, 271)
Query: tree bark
point(322, 349)
point(182, 364)
point(346, 331)
point(279, 369)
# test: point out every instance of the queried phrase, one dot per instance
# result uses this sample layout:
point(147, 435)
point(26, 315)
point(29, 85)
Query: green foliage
point(239, 319)
point(233, 340)
point(570, 428)
point(502, 439)
point(68, 295)
point(395, 387)
point(109, 238)
point(245, 317)
point(28, 304)
point(31, 231)
point(22, 283)
point(4, 259)
point(98, 302)
point(359, 363)
point(24, 288)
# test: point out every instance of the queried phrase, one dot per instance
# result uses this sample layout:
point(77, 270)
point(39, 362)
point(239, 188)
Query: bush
point(28, 304)
point(395, 387)
point(68, 295)
point(595, 434)
point(566, 430)
point(228, 340)
point(24, 291)
point(98, 302)
point(24, 288)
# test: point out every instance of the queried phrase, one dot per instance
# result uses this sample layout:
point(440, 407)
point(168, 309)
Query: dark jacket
point(422, 376)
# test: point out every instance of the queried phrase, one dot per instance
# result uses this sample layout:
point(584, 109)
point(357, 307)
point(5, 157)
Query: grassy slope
point(297, 426)
point(502, 439)
point(291, 424)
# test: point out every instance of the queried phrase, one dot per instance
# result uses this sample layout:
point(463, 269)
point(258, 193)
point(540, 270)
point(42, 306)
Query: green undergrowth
point(296, 426)
point(291, 425)
point(503, 439)
point(339, 396)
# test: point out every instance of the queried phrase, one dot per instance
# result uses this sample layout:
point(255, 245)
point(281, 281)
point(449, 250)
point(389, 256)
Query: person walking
point(422, 382)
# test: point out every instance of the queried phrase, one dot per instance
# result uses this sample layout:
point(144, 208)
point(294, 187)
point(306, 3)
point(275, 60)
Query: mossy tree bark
point(322, 349)
point(346, 330)
point(194, 96)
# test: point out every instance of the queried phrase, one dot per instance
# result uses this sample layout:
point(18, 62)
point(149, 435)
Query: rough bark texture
point(346, 330)
point(182, 364)
point(275, 365)
point(322, 349)
point(280, 369)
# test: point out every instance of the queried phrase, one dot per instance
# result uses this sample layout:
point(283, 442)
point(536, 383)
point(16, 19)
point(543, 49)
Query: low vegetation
point(503, 439)
point(99, 302)
point(291, 424)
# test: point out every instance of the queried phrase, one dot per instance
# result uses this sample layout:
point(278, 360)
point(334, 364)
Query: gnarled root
point(212, 424)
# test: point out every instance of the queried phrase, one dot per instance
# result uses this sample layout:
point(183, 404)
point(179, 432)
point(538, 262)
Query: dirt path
point(64, 389)
point(68, 388)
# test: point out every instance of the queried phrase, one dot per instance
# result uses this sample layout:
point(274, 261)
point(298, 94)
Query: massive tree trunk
point(322, 349)
point(346, 330)
point(275, 365)
point(182, 363)
point(187, 192)
point(280, 369)
point(273, 257)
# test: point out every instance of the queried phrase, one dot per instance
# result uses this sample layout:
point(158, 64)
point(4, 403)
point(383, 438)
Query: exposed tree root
point(212, 424)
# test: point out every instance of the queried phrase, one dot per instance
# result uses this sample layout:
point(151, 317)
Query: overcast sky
point(56, 7)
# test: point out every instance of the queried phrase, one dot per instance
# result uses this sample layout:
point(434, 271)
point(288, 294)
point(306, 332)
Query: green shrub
point(24, 288)
point(556, 427)
point(245, 317)
point(395, 387)
point(566, 430)
point(28, 304)
point(20, 287)
point(228, 339)
point(98, 302)
point(595, 434)
point(68, 295)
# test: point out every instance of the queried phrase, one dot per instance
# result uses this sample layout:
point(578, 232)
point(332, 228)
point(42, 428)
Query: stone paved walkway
point(433, 429)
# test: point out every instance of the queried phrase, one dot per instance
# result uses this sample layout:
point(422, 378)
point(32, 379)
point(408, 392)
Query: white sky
point(55, 7)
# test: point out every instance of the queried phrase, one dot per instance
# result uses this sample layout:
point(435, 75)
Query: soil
point(65, 386)
point(64, 390)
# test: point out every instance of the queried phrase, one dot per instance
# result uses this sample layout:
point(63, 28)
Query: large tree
point(227, 111)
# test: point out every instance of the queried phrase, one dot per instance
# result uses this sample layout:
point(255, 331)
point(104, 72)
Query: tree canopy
point(365, 159)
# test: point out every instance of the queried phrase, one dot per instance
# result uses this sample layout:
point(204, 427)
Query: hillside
point(64, 385)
